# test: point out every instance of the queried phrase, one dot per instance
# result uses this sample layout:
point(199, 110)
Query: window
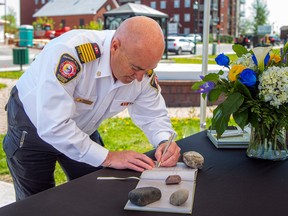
point(81, 23)
point(187, 3)
point(186, 30)
point(36, 2)
point(186, 17)
point(163, 5)
point(176, 3)
point(63, 23)
point(153, 4)
point(43, 2)
point(176, 17)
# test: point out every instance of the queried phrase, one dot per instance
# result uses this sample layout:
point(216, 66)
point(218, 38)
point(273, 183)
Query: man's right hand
point(128, 160)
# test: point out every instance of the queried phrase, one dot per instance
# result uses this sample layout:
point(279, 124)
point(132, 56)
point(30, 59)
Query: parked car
point(243, 40)
point(192, 37)
point(179, 44)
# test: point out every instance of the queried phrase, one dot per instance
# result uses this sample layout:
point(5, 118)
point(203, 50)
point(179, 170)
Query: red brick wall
point(178, 93)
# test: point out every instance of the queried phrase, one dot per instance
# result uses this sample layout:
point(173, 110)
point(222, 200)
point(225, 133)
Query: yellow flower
point(234, 71)
point(274, 58)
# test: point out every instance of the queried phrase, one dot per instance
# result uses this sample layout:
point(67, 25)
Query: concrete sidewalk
point(7, 194)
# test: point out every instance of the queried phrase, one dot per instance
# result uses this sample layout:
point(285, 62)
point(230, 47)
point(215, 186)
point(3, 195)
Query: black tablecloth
point(230, 184)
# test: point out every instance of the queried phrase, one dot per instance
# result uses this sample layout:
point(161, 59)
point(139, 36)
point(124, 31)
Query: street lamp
point(195, 9)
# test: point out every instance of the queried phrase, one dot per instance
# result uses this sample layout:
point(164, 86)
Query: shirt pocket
point(84, 104)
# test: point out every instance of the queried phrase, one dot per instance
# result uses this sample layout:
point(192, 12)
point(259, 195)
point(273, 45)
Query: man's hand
point(171, 157)
point(128, 160)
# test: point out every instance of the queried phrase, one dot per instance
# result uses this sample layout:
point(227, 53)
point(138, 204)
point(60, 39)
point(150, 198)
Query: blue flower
point(266, 60)
point(248, 77)
point(222, 60)
point(206, 87)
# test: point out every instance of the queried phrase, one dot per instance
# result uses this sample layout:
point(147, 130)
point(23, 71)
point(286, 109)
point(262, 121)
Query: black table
point(230, 184)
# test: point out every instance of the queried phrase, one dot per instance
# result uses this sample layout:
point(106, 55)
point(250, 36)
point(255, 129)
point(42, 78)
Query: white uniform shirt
point(66, 123)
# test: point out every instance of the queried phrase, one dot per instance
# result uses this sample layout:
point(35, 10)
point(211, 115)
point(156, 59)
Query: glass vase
point(269, 144)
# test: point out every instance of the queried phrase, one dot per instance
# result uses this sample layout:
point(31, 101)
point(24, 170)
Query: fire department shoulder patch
point(67, 68)
point(154, 81)
point(88, 52)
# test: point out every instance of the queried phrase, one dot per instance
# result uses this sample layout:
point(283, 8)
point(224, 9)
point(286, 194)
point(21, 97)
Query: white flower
point(273, 86)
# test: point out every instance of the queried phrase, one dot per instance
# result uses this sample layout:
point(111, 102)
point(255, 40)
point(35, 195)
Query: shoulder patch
point(67, 68)
point(154, 81)
point(88, 52)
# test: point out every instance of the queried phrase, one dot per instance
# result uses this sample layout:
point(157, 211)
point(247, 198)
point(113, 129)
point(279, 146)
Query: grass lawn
point(118, 134)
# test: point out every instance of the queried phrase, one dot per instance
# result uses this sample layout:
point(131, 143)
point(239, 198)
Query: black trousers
point(32, 162)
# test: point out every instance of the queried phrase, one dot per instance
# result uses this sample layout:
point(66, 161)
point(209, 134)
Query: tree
point(261, 13)
point(10, 27)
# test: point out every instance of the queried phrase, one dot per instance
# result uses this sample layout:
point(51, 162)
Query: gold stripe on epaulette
point(88, 52)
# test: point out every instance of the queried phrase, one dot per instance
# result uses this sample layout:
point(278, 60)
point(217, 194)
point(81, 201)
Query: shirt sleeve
point(149, 112)
point(55, 107)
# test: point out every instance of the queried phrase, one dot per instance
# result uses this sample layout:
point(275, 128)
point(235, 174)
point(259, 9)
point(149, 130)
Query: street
point(6, 54)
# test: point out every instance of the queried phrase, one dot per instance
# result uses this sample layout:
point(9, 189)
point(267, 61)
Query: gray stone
point(144, 196)
point(179, 197)
point(193, 159)
point(173, 179)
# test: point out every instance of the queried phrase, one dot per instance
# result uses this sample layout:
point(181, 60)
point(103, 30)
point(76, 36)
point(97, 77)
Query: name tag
point(81, 100)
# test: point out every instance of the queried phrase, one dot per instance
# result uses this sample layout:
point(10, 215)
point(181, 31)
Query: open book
point(156, 178)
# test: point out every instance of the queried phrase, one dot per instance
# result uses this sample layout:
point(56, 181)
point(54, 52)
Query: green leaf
point(241, 118)
point(214, 94)
point(232, 103)
point(220, 120)
point(211, 77)
point(197, 85)
point(239, 50)
point(240, 87)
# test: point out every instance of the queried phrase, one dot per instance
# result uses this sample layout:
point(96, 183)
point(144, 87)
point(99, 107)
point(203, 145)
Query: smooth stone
point(179, 197)
point(193, 159)
point(173, 179)
point(144, 196)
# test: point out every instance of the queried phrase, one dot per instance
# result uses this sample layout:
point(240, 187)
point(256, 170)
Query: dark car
point(244, 41)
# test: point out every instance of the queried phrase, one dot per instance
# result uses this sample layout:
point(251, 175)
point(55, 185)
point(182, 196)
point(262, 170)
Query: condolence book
point(156, 178)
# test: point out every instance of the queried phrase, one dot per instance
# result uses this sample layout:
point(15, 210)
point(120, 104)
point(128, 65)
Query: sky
point(277, 9)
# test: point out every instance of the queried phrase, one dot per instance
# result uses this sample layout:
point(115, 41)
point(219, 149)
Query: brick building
point(65, 13)
point(188, 14)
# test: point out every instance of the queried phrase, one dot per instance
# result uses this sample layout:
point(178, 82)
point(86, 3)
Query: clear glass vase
point(269, 144)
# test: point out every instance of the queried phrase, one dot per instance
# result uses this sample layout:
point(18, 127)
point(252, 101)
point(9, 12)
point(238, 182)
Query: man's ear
point(115, 44)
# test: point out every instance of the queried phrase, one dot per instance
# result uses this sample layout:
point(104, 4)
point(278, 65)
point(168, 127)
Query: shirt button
point(98, 73)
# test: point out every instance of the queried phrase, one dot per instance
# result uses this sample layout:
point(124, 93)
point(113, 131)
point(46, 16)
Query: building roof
point(69, 8)
point(135, 9)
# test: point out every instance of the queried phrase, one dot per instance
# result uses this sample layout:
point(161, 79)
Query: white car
point(192, 37)
point(178, 45)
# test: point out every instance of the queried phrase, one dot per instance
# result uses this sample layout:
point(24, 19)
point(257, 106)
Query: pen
point(167, 146)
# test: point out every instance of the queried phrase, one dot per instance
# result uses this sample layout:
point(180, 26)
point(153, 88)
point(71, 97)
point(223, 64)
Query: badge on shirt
point(67, 68)
point(154, 81)
point(126, 103)
point(88, 52)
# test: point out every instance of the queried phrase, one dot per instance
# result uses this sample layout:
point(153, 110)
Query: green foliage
point(11, 27)
point(43, 20)
point(11, 74)
point(93, 25)
point(261, 14)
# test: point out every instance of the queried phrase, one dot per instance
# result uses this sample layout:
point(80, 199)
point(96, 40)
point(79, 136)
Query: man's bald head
point(137, 46)
point(141, 33)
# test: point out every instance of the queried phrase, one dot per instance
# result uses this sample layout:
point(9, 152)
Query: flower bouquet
point(255, 92)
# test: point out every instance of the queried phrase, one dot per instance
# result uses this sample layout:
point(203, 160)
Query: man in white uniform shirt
point(78, 80)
